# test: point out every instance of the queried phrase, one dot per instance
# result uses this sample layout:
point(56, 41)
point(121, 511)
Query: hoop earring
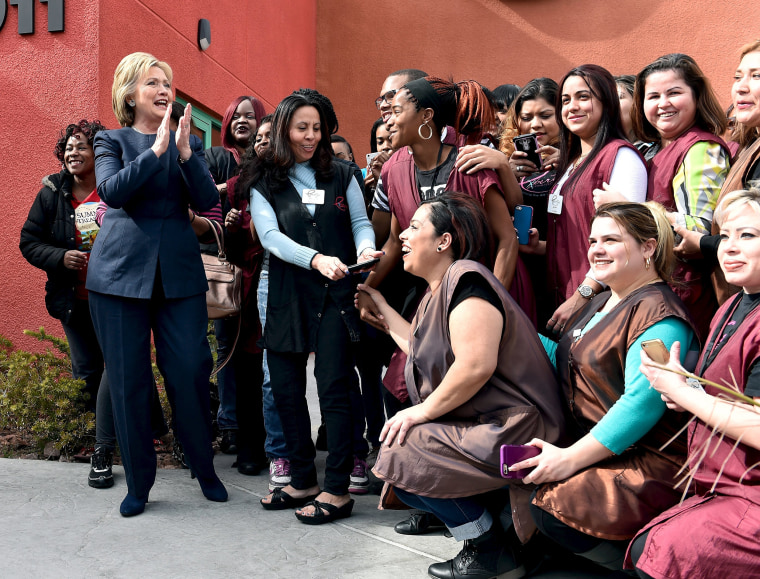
point(419, 131)
point(648, 263)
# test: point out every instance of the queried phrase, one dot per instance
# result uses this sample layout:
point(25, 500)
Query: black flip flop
point(282, 500)
point(319, 517)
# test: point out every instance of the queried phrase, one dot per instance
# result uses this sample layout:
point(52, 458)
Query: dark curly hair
point(87, 128)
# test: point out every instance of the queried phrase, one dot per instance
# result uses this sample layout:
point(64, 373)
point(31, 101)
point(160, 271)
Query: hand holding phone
point(358, 267)
point(528, 144)
point(514, 453)
point(656, 350)
point(522, 222)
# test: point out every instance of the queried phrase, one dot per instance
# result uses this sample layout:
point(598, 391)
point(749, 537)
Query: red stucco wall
point(500, 41)
point(49, 80)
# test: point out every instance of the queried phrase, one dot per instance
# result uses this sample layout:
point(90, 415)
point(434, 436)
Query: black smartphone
point(357, 267)
point(529, 144)
point(523, 220)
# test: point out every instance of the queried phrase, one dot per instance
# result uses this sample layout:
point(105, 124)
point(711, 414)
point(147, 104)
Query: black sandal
point(319, 517)
point(282, 500)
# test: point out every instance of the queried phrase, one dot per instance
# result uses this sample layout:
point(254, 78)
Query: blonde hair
point(130, 70)
point(735, 200)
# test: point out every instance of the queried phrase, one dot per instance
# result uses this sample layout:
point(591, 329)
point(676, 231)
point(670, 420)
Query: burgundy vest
point(692, 278)
point(731, 365)
point(663, 167)
point(567, 236)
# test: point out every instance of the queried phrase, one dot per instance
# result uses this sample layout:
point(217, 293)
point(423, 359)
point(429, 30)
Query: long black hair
point(602, 86)
point(278, 159)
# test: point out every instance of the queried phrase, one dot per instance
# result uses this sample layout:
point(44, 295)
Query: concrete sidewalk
point(53, 525)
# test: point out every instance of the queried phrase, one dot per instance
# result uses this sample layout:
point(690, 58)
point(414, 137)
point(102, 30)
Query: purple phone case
point(513, 453)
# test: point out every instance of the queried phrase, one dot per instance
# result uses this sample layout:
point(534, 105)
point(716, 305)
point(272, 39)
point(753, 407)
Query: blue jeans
point(86, 356)
point(274, 445)
point(225, 331)
point(465, 517)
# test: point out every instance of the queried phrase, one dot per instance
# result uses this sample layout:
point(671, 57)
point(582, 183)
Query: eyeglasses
point(387, 97)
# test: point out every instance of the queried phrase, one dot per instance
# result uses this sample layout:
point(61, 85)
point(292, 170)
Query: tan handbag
point(224, 295)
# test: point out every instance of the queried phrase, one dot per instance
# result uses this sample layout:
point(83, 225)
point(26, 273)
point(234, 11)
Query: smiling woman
point(308, 211)
point(145, 173)
point(57, 238)
point(596, 165)
point(620, 426)
point(675, 107)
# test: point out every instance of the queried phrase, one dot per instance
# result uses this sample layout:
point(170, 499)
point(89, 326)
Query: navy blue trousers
point(124, 326)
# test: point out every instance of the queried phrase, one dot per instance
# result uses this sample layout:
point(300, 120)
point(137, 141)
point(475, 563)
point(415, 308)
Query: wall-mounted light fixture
point(204, 34)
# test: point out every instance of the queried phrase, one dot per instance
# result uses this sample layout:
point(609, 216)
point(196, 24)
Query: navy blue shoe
point(213, 489)
point(131, 506)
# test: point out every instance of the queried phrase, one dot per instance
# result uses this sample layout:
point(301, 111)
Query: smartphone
point(357, 267)
point(529, 144)
point(522, 222)
point(371, 157)
point(656, 350)
point(514, 453)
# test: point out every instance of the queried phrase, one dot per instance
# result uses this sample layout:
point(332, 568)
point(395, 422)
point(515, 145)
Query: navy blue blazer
point(147, 225)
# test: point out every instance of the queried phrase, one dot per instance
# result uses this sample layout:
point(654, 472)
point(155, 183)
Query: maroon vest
point(567, 236)
point(731, 365)
point(663, 167)
point(692, 278)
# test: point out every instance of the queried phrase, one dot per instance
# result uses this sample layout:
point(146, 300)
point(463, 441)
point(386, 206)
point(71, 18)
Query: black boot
point(486, 557)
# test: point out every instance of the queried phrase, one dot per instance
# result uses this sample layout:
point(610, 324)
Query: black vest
point(297, 296)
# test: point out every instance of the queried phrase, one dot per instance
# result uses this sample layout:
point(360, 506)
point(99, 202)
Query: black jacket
point(47, 234)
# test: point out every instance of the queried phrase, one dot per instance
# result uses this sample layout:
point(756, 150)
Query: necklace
point(139, 131)
point(577, 162)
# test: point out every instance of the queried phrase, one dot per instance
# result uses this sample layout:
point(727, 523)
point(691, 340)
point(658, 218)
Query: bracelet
point(182, 161)
point(193, 219)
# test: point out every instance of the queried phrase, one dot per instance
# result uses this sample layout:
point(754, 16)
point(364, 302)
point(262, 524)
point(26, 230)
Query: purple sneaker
point(359, 481)
point(279, 473)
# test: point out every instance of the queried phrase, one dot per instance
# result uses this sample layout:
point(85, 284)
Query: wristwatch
point(586, 291)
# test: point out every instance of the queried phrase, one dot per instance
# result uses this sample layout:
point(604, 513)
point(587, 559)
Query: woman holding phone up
point(718, 527)
point(598, 492)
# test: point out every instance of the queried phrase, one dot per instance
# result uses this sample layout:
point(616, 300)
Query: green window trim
point(204, 122)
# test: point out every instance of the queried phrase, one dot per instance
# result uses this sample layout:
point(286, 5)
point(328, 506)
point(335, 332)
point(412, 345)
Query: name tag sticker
point(314, 196)
point(555, 204)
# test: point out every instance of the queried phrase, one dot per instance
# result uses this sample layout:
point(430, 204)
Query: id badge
point(555, 204)
point(314, 196)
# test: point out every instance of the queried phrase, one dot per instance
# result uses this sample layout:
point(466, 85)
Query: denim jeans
point(225, 331)
point(465, 517)
point(274, 445)
point(86, 356)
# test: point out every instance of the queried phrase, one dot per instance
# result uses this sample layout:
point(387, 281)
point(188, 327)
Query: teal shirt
point(640, 407)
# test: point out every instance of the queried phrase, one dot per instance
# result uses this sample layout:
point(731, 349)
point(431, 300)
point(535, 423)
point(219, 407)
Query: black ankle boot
point(486, 557)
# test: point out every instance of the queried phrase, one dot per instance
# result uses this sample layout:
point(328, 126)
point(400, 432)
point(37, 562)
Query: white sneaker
point(279, 473)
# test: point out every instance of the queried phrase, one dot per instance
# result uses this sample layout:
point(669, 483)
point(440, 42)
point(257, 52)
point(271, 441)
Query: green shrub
point(39, 397)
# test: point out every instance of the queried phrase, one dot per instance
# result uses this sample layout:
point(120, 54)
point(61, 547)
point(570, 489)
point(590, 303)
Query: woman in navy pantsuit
point(146, 275)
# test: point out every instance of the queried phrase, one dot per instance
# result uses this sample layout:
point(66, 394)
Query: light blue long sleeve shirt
point(302, 176)
point(640, 407)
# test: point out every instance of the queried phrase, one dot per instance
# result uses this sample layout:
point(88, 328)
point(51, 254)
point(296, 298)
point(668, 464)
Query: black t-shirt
point(748, 303)
point(535, 191)
point(472, 284)
point(425, 186)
